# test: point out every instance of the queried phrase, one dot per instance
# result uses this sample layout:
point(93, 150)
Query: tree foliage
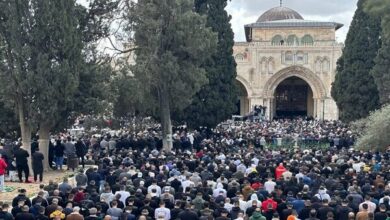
point(172, 45)
point(49, 69)
point(381, 71)
point(354, 89)
point(216, 101)
point(375, 130)
point(380, 8)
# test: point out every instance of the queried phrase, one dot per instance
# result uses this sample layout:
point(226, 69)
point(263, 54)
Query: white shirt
point(357, 166)
point(162, 212)
point(269, 186)
point(124, 196)
point(187, 183)
point(371, 206)
point(158, 189)
point(298, 176)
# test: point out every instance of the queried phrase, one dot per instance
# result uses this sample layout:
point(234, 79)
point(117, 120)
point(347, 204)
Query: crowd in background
point(222, 173)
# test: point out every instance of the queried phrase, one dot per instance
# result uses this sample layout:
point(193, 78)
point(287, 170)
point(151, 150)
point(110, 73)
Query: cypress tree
point(216, 101)
point(381, 72)
point(354, 89)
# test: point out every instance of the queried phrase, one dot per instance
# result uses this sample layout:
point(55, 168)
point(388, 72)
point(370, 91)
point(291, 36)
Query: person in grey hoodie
point(70, 149)
point(81, 178)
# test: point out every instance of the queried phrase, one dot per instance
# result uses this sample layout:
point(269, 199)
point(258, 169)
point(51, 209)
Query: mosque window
point(292, 40)
point(289, 57)
point(239, 57)
point(307, 40)
point(300, 57)
point(325, 65)
point(263, 66)
point(271, 65)
point(277, 40)
point(317, 65)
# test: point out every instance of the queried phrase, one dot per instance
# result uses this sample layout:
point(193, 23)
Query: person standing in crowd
point(24, 214)
point(37, 164)
point(70, 153)
point(81, 151)
point(75, 215)
point(59, 154)
point(21, 158)
point(3, 167)
point(51, 153)
point(34, 145)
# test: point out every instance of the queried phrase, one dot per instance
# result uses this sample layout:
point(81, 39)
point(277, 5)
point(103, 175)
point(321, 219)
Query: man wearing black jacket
point(21, 156)
point(37, 163)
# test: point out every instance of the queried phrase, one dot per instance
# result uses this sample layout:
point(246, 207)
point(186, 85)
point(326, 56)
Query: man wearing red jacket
point(269, 204)
point(3, 166)
point(279, 171)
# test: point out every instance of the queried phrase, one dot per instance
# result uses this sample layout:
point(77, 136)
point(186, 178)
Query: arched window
point(307, 40)
point(277, 40)
point(325, 65)
point(239, 57)
point(300, 57)
point(263, 65)
point(271, 65)
point(317, 66)
point(289, 57)
point(292, 40)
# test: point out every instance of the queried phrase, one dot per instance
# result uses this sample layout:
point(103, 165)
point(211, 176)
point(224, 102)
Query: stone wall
point(258, 62)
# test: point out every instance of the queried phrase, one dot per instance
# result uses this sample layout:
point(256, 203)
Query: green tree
point(56, 61)
point(50, 70)
point(15, 52)
point(381, 71)
point(375, 130)
point(380, 8)
point(216, 101)
point(172, 44)
point(354, 89)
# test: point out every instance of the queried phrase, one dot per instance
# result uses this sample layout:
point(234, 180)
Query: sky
point(247, 11)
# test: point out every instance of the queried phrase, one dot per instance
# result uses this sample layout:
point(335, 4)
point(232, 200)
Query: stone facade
point(279, 49)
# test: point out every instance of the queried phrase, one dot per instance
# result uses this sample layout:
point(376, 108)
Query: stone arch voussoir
point(315, 83)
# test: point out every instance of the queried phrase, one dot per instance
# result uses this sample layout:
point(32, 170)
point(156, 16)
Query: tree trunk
point(166, 123)
point(44, 140)
point(25, 131)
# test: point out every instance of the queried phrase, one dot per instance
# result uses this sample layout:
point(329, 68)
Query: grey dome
point(279, 13)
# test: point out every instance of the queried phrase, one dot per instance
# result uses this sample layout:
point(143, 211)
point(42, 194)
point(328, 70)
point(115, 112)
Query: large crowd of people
point(226, 173)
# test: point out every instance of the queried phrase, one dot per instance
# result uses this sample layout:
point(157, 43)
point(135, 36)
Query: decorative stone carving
point(318, 88)
point(325, 65)
point(271, 65)
point(263, 65)
point(317, 65)
point(239, 57)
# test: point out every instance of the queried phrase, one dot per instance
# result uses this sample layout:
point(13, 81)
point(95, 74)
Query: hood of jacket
point(257, 215)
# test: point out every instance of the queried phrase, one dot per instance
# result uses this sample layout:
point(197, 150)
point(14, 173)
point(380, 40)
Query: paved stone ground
point(32, 188)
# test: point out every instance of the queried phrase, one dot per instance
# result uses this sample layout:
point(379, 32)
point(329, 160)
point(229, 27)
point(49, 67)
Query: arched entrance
point(316, 93)
point(293, 97)
point(243, 101)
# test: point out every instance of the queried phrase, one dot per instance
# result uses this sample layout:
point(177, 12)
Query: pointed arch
point(315, 83)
